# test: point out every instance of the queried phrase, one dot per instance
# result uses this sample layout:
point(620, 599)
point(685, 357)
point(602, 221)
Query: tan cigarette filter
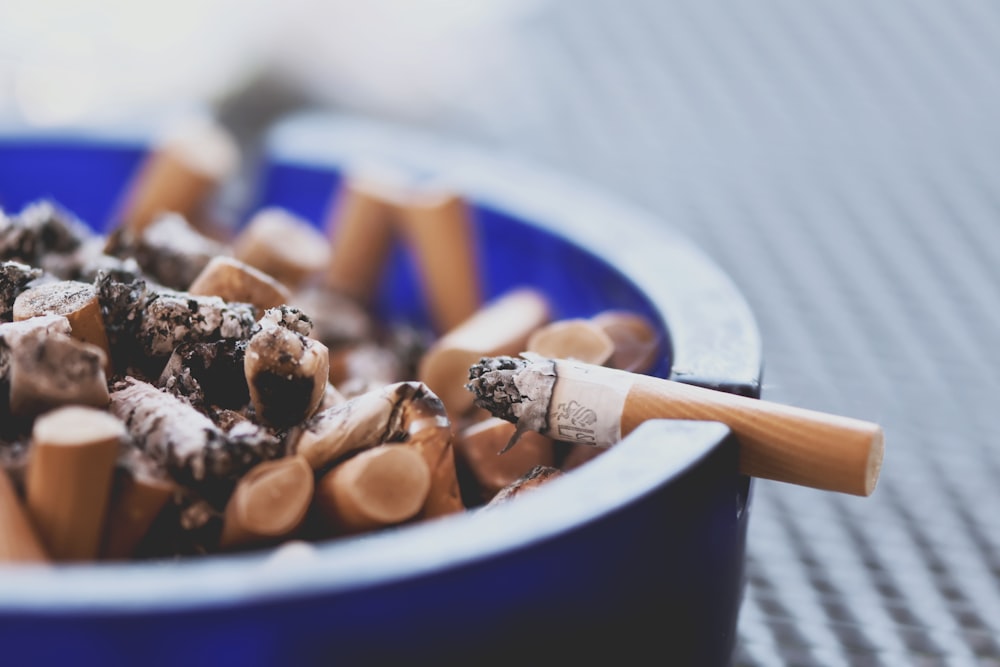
point(234, 280)
point(283, 245)
point(779, 442)
point(19, 541)
point(637, 345)
point(269, 504)
point(575, 338)
point(181, 174)
point(440, 232)
point(360, 227)
point(136, 501)
point(429, 432)
point(502, 326)
point(74, 300)
point(69, 476)
point(378, 487)
point(478, 447)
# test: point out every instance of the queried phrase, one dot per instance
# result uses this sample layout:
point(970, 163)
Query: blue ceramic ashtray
point(636, 557)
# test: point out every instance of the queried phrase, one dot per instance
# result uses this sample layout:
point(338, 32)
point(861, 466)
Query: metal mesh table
point(841, 161)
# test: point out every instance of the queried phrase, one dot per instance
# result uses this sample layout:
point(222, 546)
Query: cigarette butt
point(181, 173)
point(637, 345)
point(282, 245)
point(575, 338)
point(76, 301)
point(440, 231)
point(139, 493)
point(69, 478)
point(19, 542)
point(234, 280)
point(269, 504)
point(361, 235)
point(502, 326)
point(48, 370)
point(378, 487)
point(428, 430)
point(779, 442)
point(478, 446)
point(595, 405)
point(530, 480)
point(361, 422)
point(287, 374)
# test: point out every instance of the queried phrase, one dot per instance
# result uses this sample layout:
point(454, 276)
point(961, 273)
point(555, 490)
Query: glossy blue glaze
point(637, 556)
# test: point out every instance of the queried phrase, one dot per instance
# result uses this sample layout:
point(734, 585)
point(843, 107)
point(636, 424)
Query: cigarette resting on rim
point(583, 403)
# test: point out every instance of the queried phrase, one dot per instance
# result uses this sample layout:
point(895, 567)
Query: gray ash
point(170, 250)
point(213, 370)
point(492, 382)
point(40, 228)
point(173, 318)
point(14, 279)
point(122, 294)
point(198, 455)
point(286, 317)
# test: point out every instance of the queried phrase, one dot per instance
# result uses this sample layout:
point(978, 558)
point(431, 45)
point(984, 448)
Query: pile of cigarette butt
point(170, 389)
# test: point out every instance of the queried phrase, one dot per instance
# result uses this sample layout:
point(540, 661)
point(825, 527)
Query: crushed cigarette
point(192, 448)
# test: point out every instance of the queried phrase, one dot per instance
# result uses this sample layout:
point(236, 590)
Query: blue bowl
point(637, 556)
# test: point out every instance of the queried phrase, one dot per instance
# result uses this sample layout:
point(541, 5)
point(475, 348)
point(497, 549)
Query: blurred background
point(839, 159)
